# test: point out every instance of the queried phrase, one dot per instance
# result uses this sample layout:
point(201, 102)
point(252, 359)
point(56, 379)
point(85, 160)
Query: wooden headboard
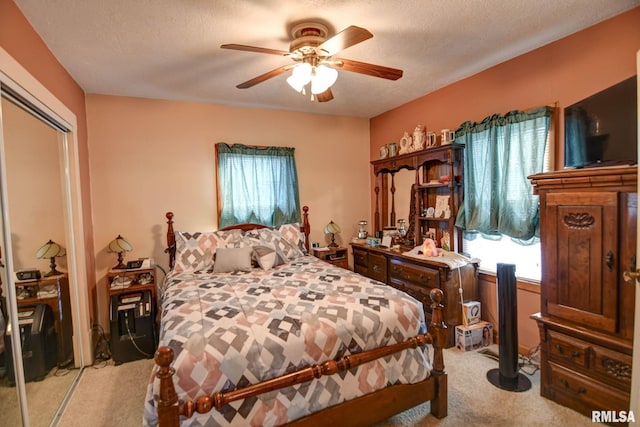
point(171, 237)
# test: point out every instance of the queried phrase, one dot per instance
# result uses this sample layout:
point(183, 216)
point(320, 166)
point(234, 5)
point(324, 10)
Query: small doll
point(429, 248)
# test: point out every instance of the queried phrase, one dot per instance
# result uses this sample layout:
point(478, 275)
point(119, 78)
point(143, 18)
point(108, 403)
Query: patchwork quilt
point(231, 330)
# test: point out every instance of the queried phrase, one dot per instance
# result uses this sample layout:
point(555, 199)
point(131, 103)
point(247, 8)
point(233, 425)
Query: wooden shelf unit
point(429, 165)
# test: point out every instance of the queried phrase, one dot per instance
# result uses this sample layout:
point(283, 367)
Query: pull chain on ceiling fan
point(314, 63)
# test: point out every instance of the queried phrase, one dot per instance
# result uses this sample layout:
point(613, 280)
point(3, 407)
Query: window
point(257, 185)
point(499, 214)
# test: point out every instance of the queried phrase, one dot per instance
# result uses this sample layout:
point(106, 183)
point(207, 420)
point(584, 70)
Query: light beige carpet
point(114, 396)
point(109, 395)
point(43, 397)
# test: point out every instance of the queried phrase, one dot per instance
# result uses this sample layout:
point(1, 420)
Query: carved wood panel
point(582, 259)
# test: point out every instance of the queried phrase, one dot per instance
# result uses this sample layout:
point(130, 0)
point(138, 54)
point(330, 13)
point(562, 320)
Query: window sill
point(522, 284)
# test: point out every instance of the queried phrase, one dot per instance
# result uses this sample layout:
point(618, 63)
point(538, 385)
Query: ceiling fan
point(313, 59)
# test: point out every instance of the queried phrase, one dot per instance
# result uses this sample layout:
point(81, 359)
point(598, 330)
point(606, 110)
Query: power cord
point(465, 320)
point(133, 341)
point(102, 351)
point(531, 363)
point(528, 365)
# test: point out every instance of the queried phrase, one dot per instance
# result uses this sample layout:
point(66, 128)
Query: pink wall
point(151, 156)
point(19, 39)
point(562, 72)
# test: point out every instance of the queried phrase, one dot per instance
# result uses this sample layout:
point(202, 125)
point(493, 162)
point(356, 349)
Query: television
point(602, 129)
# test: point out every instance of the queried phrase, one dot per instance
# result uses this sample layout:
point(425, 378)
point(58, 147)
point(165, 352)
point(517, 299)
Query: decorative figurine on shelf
point(402, 229)
point(405, 144)
point(430, 139)
point(393, 149)
point(384, 151)
point(419, 138)
point(446, 241)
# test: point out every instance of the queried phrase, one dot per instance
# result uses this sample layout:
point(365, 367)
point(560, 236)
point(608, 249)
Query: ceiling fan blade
point(266, 76)
point(255, 49)
point(366, 68)
point(325, 96)
point(346, 38)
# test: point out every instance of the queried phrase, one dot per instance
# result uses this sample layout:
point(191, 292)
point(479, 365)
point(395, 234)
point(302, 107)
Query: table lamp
point(332, 228)
point(51, 250)
point(120, 245)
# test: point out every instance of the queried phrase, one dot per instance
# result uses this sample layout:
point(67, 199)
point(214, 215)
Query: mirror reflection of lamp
point(51, 250)
point(332, 228)
point(120, 245)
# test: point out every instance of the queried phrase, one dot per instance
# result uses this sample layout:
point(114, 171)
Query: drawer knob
point(580, 390)
point(574, 353)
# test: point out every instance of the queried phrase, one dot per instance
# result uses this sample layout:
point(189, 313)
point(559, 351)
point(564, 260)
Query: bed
point(288, 340)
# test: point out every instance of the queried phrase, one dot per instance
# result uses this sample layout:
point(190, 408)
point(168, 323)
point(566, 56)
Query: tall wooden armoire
point(588, 234)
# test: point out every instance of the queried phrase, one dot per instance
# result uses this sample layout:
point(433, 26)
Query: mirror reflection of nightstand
point(53, 291)
point(336, 256)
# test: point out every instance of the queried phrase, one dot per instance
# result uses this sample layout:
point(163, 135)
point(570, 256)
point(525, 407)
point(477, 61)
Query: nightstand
point(132, 314)
point(336, 256)
point(53, 291)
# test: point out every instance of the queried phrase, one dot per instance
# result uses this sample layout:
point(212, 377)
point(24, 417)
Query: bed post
point(171, 240)
point(438, 330)
point(167, 403)
point(306, 227)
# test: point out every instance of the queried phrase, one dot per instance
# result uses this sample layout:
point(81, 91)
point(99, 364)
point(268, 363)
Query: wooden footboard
point(375, 406)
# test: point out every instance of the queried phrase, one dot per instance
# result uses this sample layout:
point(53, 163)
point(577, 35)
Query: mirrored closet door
point(37, 367)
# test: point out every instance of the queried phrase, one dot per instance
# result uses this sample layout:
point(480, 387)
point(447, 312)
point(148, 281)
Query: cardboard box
point(475, 336)
point(470, 313)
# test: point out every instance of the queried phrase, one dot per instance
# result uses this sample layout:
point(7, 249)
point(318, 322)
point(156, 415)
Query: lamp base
point(120, 265)
point(53, 272)
point(52, 266)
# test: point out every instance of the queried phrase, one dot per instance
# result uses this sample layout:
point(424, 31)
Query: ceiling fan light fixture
point(300, 76)
point(323, 78)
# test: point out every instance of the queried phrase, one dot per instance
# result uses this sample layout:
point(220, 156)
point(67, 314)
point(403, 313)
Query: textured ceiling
point(170, 49)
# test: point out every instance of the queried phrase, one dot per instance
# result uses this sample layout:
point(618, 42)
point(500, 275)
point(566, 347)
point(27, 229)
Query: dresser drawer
point(411, 274)
point(418, 292)
point(361, 269)
point(612, 366)
point(360, 259)
point(377, 267)
point(568, 350)
point(583, 393)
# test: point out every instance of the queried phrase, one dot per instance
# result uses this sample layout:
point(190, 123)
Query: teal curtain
point(576, 126)
point(258, 185)
point(500, 152)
